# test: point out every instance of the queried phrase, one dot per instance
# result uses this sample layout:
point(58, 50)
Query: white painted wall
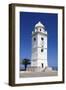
point(45, 41)
point(38, 57)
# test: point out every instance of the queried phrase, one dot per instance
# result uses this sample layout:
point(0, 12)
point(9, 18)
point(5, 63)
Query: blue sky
point(27, 23)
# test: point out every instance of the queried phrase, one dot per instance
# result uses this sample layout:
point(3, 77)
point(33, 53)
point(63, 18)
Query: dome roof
point(39, 24)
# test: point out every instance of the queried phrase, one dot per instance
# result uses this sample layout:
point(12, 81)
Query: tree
point(25, 62)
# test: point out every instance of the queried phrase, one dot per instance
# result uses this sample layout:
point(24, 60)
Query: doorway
point(42, 65)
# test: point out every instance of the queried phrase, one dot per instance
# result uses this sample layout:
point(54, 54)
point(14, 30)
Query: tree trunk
point(25, 66)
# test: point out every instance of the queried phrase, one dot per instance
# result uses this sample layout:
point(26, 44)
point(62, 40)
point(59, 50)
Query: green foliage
point(25, 62)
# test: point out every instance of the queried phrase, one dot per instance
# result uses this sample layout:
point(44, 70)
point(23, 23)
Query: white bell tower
point(39, 47)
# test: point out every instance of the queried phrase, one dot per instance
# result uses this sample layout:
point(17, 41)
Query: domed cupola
point(39, 27)
point(39, 24)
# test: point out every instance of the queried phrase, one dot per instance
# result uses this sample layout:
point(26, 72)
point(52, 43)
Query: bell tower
point(39, 46)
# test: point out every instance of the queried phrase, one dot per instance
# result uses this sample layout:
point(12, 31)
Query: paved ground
point(37, 74)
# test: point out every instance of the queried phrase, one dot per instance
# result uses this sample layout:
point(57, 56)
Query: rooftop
point(39, 24)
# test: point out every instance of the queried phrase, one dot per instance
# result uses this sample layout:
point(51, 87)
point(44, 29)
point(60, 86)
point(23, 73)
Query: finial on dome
point(39, 24)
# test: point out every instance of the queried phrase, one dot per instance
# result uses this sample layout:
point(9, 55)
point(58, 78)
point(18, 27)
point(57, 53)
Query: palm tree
point(25, 62)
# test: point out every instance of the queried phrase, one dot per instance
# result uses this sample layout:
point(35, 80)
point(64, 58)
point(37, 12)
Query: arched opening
point(40, 29)
point(42, 38)
point(42, 65)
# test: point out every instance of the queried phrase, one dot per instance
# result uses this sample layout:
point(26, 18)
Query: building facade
point(39, 46)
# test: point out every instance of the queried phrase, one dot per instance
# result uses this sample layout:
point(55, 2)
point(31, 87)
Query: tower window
point(42, 39)
point(34, 39)
point(41, 50)
point(40, 29)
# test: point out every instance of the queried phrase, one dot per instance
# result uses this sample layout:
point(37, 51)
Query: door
point(42, 65)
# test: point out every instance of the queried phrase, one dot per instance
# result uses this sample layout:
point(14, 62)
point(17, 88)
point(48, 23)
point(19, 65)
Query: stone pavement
point(38, 74)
